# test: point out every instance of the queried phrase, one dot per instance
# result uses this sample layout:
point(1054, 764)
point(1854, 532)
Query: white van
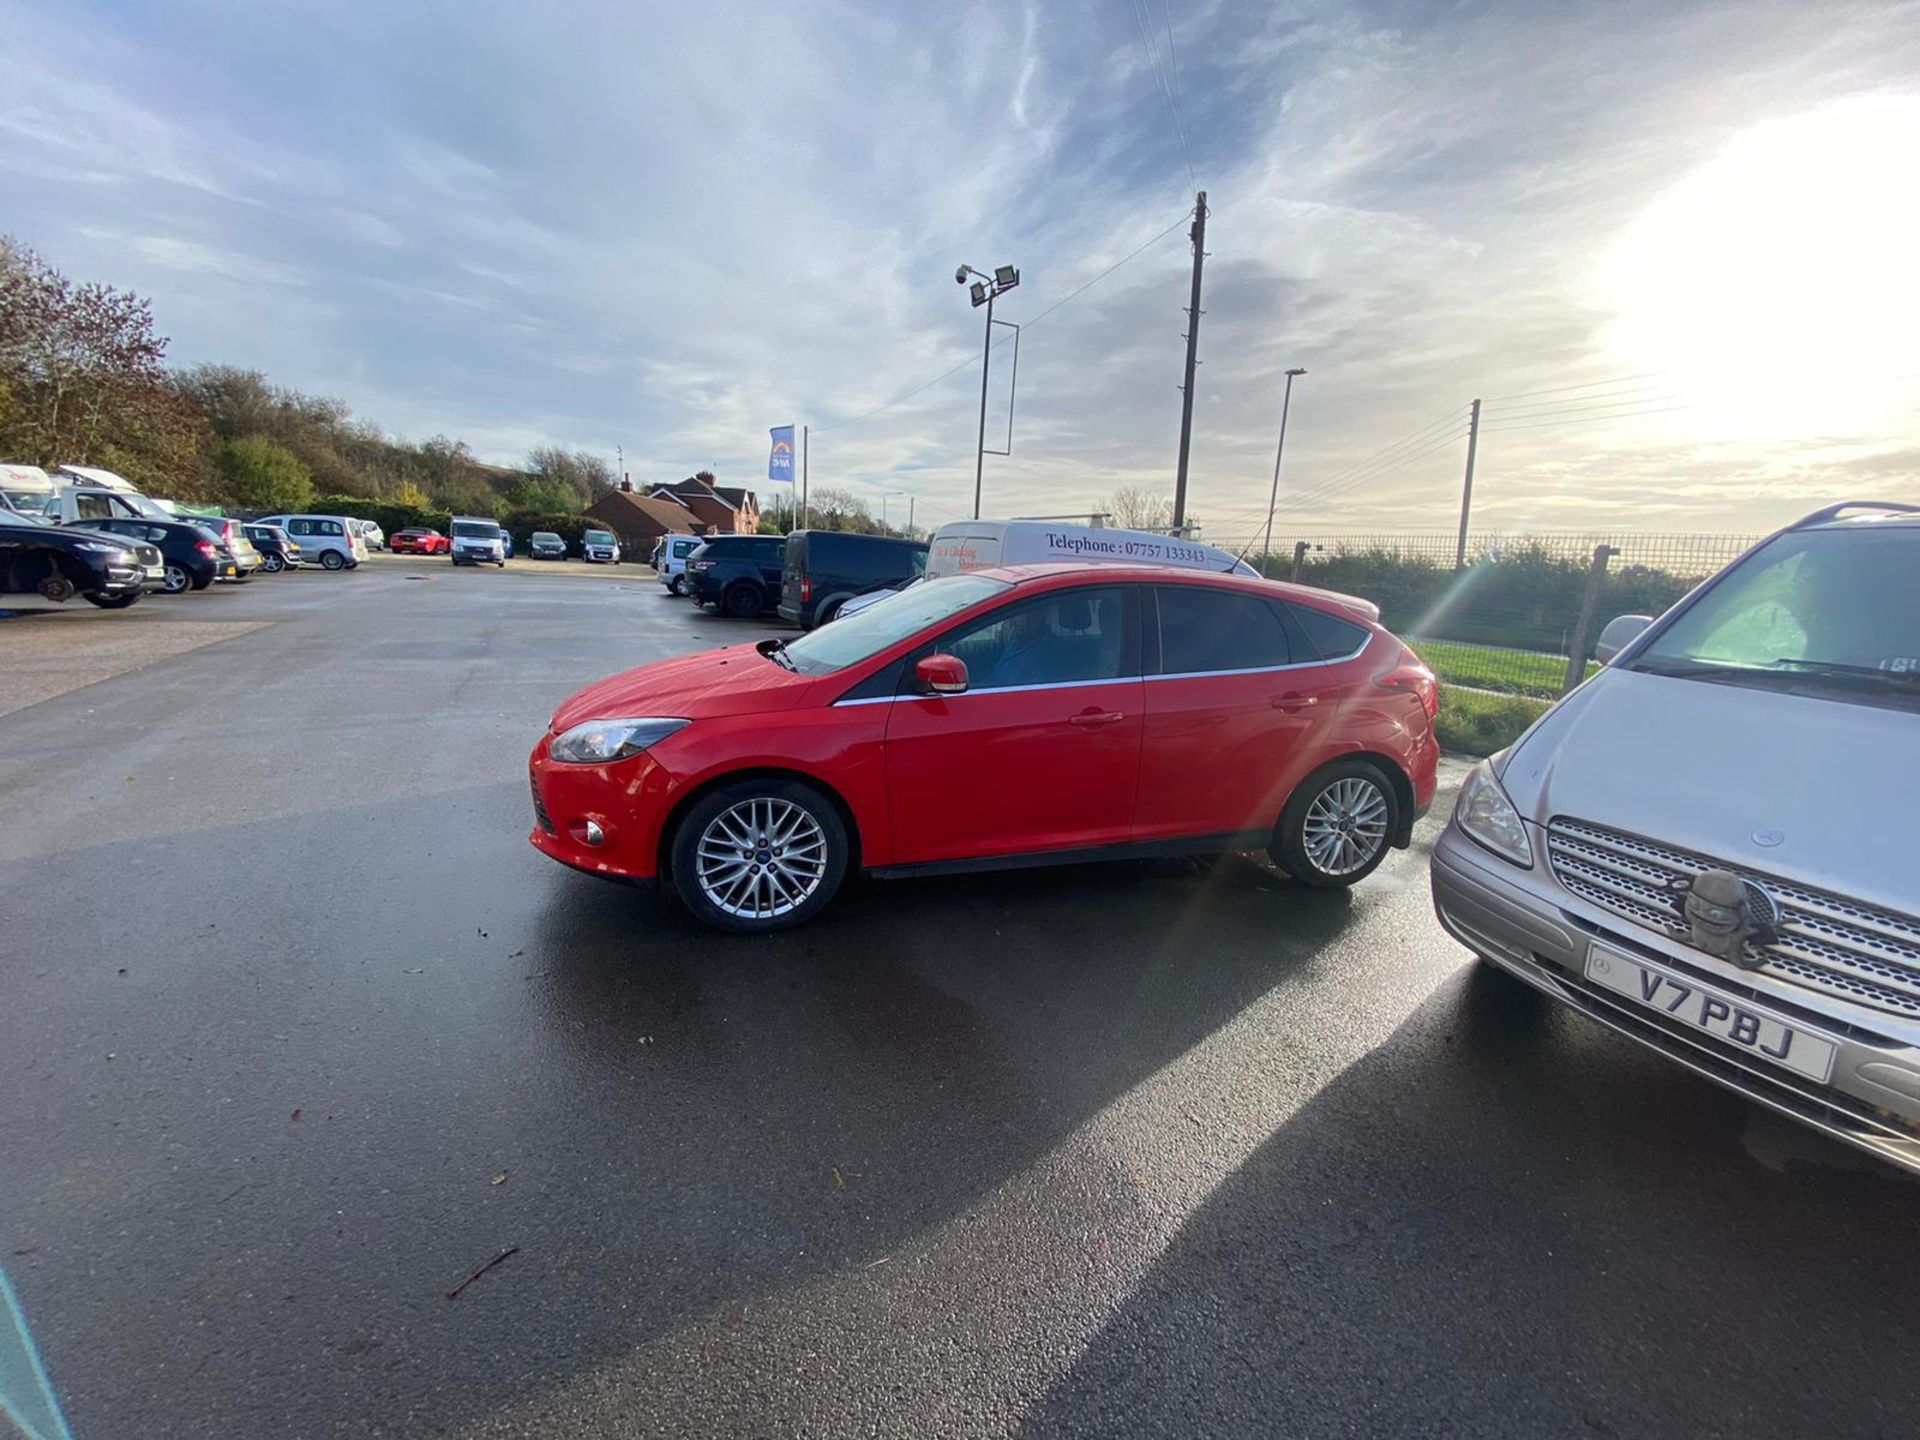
point(25, 488)
point(978, 544)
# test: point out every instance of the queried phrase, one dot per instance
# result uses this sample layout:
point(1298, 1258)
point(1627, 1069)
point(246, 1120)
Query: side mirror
point(1621, 632)
point(942, 674)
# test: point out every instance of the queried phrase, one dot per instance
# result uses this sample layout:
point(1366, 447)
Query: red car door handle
point(1293, 701)
point(1098, 717)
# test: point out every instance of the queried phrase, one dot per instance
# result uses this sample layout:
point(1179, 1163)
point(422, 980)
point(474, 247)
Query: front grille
point(540, 809)
point(146, 554)
point(1824, 942)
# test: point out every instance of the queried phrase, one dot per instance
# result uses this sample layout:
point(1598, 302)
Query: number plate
point(1760, 1033)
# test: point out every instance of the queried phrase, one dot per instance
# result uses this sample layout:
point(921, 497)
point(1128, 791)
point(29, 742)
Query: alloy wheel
point(761, 859)
point(1346, 825)
point(176, 579)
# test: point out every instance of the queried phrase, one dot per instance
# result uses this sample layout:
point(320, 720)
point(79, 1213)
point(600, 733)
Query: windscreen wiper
point(1839, 669)
point(776, 651)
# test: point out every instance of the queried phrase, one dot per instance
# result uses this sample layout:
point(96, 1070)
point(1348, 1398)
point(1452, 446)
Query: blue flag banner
point(780, 461)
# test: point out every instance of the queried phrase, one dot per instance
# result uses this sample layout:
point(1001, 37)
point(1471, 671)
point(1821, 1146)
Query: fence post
point(1583, 631)
point(1299, 558)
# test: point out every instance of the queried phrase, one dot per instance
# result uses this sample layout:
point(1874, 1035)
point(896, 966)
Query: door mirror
point(942, 674)
point(1621, 632)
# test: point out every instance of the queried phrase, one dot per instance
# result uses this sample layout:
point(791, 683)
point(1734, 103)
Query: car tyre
point(177, 581)
point(275, 564)
point(743, 601)
point(332, 560)
point(677, 585)
point(759, 855)
point(1337, 826)
point(827, 613)
point(112, 602)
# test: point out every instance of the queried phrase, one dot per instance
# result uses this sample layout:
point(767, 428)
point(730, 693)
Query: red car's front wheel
point(759, 855)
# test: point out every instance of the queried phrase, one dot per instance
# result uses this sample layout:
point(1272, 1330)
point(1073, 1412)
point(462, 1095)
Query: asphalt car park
point(301, 1036)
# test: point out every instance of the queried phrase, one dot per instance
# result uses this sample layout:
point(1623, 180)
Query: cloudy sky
point(1672, 247)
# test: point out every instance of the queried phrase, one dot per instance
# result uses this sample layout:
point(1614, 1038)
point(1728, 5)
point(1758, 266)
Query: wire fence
point(1510, 620)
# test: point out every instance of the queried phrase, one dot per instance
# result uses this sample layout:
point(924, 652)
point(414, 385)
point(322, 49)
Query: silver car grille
point(1823, 942)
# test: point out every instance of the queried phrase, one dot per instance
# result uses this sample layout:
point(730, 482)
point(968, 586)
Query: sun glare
point(1776, 290)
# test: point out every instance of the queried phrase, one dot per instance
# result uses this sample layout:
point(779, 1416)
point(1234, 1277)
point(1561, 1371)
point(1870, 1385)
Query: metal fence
point(1512, 619)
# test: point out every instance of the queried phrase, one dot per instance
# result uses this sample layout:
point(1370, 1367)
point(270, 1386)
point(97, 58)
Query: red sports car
point(1005, 717)
point(419, 542)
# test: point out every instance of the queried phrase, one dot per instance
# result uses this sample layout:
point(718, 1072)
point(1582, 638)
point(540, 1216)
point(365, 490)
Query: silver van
point(1709, 847)
point(333, 541)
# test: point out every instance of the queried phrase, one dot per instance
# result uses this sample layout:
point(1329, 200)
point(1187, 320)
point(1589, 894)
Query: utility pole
point(1466, 491)
point(910, 500)
point(1273, 500)
point(803, 477)
point(1198, 234)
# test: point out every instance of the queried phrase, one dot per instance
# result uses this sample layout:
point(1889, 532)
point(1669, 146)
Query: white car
point(371, 532)
point(1708, 846)
point(670, 554)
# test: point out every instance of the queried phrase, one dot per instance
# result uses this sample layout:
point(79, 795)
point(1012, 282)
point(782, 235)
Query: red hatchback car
point(1009, 717)
point(419, 542)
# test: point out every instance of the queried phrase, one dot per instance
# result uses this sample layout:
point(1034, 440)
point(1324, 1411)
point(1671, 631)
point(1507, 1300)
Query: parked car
point(329, 539)
point(506, 542)
point(599, 547)
point(1006, 717)
point(739, 574)
point(371, 532)
point(233, 535)
point(1707, 845)
point(823, 569)
point(191, 556)
point(477, 542)
point(670, 554)
point(25, 489)
point(415, 541)
point(545, 545)
point(278, 551)
point(58, 562)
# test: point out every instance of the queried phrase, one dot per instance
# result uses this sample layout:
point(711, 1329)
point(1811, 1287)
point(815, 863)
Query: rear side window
point(330, 527)
point(1334, 639)
point(300, 527)
point(1204, 630)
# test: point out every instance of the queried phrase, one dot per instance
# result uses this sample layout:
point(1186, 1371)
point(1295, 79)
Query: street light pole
point(984, 290)
point(1273, 498)
point(885, 496)
point(980, 445)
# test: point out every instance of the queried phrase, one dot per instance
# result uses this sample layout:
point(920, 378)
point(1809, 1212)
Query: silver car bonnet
point(1707, 767)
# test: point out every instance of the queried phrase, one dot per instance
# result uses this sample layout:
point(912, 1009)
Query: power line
point(1589, 385)
point(967, 364)
point(1635, 395)
point(1179, 100)
point(1328, 488)
point(1590, 419)
point(1143, 18)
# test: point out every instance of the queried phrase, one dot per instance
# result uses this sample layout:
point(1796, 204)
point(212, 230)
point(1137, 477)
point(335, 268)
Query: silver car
point(1709, 845)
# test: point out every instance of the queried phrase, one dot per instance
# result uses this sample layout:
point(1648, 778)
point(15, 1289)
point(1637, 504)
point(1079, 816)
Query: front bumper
point(1525, 923)
point(628, 800)
point(125, 580)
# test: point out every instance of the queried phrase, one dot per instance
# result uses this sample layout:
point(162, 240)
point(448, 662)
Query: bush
point(1474, 722)
point(257, 474)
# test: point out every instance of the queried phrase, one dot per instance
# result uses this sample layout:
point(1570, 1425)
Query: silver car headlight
point(1484, 812)
point(599, 741)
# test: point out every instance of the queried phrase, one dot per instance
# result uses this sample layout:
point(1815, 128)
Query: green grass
point(1487, 667)
point(1473, 722)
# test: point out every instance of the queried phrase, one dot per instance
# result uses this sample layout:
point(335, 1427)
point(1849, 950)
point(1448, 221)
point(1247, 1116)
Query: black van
point(826, 567)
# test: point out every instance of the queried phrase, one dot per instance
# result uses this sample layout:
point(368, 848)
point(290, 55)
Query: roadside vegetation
point(1475, 722)
point(1510, 672)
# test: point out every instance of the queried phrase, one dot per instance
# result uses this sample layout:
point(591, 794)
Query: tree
point(585, 476)
point(409, 494)
point(1134, 507)
point(82, 370)
point(260, 475)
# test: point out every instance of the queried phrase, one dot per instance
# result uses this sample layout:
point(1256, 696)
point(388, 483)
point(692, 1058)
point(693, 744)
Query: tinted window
point(300, 527)
point(1334, 639)
point(328, 527)
point(1203, 630)
point(1076, 635)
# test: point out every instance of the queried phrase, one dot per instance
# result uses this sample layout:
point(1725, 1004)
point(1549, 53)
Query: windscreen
point(1836, 611)
point(475, 530)
point(864, 634)
point(599, 537)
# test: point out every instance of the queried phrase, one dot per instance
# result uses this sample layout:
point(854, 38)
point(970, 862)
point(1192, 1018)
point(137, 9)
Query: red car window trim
point(1265, 669)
